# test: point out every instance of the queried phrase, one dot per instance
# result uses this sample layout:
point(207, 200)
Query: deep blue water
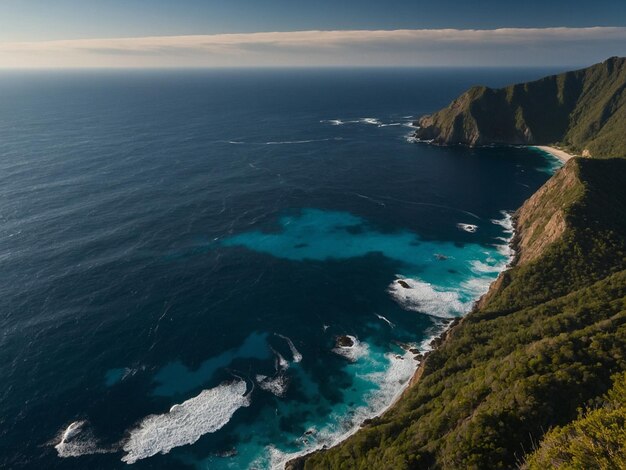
point(180, 250)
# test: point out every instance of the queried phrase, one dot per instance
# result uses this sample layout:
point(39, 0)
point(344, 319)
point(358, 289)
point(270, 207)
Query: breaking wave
point(385, 320)
point(77, 440)
point(297, 357)
point(354, 352)
point(185, 423)
point(419, 296)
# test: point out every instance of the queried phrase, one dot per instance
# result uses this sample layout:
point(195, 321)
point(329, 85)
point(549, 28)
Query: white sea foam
point(481, 267)
point(276, 385)
point(506, 222)
point(185, 423)
point(470, 228)
point(77, 440)
point(352, 353)
point(391, 384)
point(370, 120)
point(391, 124)
point(287, 142)
point(281, 362)
point(385, 320)
point(365, 120)
point(424, 297)
point(297, 357)
point(509, 228)
point(283, 142)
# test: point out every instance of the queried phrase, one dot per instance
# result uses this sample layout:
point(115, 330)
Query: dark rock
point(344, 341)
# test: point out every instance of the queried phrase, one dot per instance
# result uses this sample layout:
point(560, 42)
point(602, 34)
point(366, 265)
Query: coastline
point(555, 152)
point(295, 461)
point(429, 345)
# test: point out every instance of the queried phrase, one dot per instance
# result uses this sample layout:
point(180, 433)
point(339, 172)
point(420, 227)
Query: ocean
point(224, 269)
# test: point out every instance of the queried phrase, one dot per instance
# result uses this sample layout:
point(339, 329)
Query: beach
point(556, 152)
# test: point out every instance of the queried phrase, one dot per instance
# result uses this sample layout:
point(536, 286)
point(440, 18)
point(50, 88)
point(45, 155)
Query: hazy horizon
point(277, 33)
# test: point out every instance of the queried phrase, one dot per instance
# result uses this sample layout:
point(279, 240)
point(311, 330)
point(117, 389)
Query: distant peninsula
point(583, 111)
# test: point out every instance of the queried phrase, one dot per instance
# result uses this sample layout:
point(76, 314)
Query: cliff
point(544, 342)
point(582, 110)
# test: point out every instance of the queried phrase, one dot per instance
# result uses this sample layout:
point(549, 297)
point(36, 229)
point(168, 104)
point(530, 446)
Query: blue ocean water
point(179, 252)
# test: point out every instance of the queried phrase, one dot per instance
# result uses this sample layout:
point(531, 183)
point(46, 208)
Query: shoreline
point(428, 346)
point(562, 155)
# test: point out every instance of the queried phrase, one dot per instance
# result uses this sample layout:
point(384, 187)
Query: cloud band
point(351, 47)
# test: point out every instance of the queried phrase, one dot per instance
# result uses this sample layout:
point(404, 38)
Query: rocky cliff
point(583, 110)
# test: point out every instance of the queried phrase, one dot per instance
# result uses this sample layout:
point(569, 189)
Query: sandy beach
point(558, 153)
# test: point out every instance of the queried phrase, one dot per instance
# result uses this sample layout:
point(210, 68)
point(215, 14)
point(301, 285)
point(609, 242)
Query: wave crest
point(185, 423)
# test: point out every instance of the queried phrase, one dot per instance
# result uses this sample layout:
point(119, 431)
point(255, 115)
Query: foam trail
point(369, 120)
point(429, 204)
point(185, 423)
point(297, 357)
point(283, 142)
point(363, 196)
point(281, 362)
point(76, 440)
point(385, 320)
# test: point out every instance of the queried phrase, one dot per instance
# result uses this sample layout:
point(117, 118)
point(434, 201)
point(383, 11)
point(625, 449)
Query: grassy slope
point(546, 342)
point(582, 110)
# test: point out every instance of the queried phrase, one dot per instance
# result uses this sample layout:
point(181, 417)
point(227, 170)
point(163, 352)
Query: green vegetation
point(597, 439)
point(583, 110)
point(544, 344)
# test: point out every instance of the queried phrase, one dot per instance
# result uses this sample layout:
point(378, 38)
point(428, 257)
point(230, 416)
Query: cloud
point(350, 47)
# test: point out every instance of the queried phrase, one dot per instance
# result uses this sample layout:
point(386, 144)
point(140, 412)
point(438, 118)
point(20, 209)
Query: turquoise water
point(180, 252)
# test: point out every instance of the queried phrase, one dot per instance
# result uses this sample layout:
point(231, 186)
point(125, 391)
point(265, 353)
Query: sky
point(234, 33)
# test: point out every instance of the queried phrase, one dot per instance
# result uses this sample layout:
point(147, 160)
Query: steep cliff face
point(544, 341)
point(541, 221)
point(584, 110)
